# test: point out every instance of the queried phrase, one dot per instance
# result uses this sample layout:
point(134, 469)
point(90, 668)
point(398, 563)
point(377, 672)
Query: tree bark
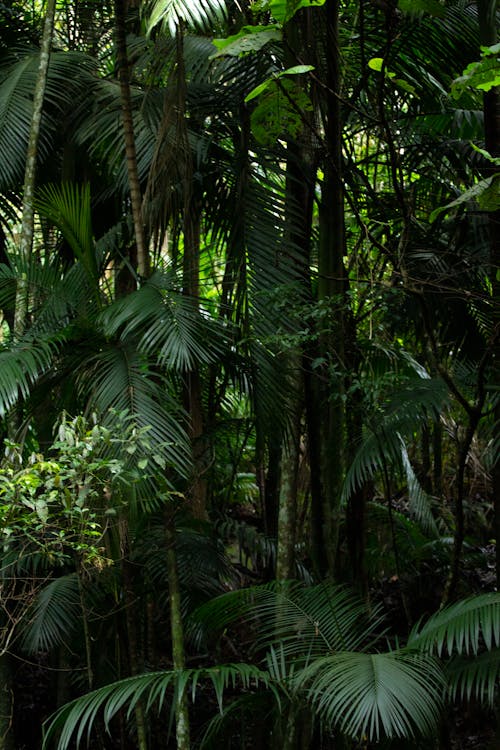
point(197, 493)
point(331, 292)
point(132, 640)
point(177, 635)
point(143, 262)
point(27, 221)
point(289, 467)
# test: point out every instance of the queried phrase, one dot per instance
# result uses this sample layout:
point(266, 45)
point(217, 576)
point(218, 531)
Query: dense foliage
point(249, 346)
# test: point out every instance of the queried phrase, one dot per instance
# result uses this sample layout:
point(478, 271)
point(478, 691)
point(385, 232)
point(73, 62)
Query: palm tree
point(318, 651)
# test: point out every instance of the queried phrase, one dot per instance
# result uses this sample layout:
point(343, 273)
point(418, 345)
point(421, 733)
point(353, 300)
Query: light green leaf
point(487, 155)
point(284, 10)
point(376, 63)
point(475, 193)
point(249, 39)
point(295, 70)
point(42, 510)
point(432, 7)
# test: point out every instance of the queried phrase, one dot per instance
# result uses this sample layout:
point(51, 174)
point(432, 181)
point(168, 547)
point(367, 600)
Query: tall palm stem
point(133, 648)
point(177, 635)
point(129, 137)
point(331, 289)
point(28, 214)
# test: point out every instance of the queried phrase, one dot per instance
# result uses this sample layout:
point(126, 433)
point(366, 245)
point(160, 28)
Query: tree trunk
point(27, 221)
point(132, 640)
point(177, 635)
point(128, 132)
point(331, 292)
point(289, 467)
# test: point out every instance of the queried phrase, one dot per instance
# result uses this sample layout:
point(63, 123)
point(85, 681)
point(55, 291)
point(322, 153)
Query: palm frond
point(21, 364)
point(168, 324)
point(420, 502)
point(382, 446)
point(76, 719)
point(306, 621)
point(376, 695)
point(67, 79)
point(475, 678)
point(461, 628)
point(67, 206)
point(53, 615)
point(201, 15)
point(119, 378)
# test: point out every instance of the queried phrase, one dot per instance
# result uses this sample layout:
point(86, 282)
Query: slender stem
point(177, 635)
point(128, 132)
point(28, 214)
point(133, 647)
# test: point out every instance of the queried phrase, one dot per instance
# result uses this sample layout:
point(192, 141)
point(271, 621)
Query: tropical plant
point(318, 648)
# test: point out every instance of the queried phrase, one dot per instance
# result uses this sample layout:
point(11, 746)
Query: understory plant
point(318, 661)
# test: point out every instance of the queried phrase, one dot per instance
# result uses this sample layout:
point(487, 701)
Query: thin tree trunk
point(331, 291)
point(191, 288)
point(459, 534)
point(177, 635)
point(289, 466)
point(143, 263)
point(28, 215)
point(437, 455)
point(133, 645)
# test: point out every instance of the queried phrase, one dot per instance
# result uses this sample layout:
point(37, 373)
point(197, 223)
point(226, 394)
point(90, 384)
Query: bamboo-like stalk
point(177, 634)
point(28, 214)
point(133, 647)
point(143, 264)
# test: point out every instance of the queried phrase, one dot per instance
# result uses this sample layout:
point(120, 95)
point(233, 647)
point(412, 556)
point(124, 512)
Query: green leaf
point(76, 719)
point(376, 63)
point(53, 615)
point(200, 15)
point(249, 39)
point(432, 7)
point(481, 190)
point(67, 206)
point(295, 70)
point(487, 155)
point(482, 75)
point(284, 10)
